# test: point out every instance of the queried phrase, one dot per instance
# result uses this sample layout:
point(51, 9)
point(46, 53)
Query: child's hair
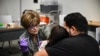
point(57, 33)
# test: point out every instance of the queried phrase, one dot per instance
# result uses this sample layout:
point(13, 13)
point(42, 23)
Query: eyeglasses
point(33, 26)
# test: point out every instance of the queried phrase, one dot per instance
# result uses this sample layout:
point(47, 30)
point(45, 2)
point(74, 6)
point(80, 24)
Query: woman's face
point(33, 29)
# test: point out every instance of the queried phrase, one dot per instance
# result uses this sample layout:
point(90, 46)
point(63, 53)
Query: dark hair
point(57, 33)
point(77, 20)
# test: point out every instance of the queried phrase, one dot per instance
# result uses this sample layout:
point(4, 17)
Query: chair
point(98, 34)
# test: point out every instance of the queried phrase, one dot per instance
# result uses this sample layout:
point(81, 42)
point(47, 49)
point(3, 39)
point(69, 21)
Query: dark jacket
point(80, 45)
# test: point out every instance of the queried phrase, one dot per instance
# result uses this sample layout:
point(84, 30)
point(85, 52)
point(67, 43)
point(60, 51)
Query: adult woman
point(29, 40)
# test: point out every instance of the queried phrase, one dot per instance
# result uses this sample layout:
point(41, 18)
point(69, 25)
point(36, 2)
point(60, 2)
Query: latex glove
point(23, 45)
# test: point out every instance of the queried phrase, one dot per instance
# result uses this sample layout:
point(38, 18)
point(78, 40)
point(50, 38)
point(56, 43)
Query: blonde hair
point(30, 18)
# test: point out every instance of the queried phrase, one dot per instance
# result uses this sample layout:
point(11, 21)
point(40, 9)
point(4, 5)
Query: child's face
point(68, 29)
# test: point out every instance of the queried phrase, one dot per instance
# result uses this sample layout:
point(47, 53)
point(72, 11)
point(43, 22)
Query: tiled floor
point(14, 50)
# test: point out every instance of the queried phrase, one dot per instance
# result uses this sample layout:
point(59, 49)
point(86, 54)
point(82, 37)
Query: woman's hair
point(27, 11)
point(29, 18)
point(57, 33)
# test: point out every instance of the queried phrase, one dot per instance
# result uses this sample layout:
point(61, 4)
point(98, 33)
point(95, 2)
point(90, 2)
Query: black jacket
point(81, 45)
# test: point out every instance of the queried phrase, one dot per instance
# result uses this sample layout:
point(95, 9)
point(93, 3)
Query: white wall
point(29, 4)
point(89, 8)
point(10, 7)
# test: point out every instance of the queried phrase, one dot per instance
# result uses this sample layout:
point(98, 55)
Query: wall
point(10, 7)
point(89, 8)
point(29, 4)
